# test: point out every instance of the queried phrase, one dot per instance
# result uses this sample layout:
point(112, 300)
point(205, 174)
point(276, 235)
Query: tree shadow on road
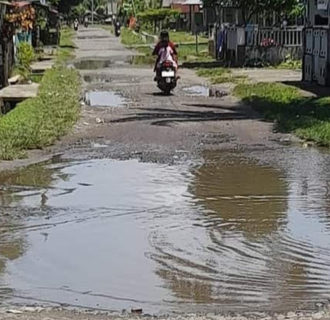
point(165, 117)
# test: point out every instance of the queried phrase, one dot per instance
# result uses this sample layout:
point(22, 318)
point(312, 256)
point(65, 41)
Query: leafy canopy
point(252, 7)
point(153, 15)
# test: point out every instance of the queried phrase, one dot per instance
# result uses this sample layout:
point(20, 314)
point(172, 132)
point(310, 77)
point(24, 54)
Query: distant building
point(191, 13)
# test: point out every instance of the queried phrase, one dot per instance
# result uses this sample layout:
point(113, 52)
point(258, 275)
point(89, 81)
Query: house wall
point(316, 60)
point(316, 17)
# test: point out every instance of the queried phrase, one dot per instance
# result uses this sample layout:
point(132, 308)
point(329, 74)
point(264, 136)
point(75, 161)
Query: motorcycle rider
point(75, 24)
point(117, 27)
point(165, 50)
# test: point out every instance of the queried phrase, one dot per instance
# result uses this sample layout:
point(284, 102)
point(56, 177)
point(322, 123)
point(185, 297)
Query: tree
point(249, 8)
point(157, 16)
point(64, 6)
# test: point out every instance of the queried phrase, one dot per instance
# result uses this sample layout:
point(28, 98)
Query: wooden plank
point(42, 66)
point(19, 92)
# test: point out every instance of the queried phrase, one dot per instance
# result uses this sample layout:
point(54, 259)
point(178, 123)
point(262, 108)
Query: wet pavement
point(224, 232)
point(104, 99)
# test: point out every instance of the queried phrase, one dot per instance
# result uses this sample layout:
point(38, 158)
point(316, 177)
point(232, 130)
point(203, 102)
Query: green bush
point(25, 56)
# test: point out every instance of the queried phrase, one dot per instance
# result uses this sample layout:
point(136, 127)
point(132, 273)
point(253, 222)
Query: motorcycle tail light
point(167, 64)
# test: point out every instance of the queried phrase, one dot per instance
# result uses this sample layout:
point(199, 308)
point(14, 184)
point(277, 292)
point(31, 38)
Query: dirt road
point(131, 117)
point(188, 230)
point(138, 119)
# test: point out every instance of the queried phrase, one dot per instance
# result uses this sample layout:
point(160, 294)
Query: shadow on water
point(229, 233)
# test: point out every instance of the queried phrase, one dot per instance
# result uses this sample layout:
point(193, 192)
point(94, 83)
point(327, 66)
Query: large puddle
point(199, 91)
point(92, 64)
point(225, 235)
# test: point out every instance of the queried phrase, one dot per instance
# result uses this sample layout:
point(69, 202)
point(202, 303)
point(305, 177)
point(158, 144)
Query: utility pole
point(92, 12)
point(112, 13)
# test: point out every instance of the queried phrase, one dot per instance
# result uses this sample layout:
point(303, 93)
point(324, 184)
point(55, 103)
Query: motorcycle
point(117, 29)
point(166, 79)
point(75, 26)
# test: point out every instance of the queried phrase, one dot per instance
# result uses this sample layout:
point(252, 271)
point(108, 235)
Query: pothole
point(92, 64)
point(98, 78)
point(200, 91)
point(92, 37)
point(105, 99)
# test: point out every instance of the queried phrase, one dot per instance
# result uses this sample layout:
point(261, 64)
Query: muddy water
point(92, 64)
point(229, 233)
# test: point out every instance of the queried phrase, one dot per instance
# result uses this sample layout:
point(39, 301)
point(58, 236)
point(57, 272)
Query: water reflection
point(34, 180)
point(247, 197)
point(230, 233)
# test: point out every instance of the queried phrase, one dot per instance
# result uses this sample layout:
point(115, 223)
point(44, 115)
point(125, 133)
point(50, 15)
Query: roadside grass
point(290, 64)
point(220, 75)
point(38, 122)
point(184, 37)
point(308, 118)
point(66, 47)
point(129, 38)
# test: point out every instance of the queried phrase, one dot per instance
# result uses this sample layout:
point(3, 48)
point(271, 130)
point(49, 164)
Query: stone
point(318, 315)
point(13, 311)
point(99, 120)
point(291, 315)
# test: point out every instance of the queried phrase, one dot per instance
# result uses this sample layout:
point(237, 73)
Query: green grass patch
point(66, 47)
point(290, 65)
point(129, 38)
point(37, 78)
point(182, 37)
point(38, 122)
point(220, 75)
point(309, 118)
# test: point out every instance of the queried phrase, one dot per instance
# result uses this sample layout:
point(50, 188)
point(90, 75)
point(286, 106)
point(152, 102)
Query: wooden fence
point(287, 37)
point(237, 45)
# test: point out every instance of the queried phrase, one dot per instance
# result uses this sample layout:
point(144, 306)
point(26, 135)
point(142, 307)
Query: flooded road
point(226, 232)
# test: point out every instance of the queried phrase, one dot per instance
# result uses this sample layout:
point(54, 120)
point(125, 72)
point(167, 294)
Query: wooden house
point(191, 14)
point(316, 62)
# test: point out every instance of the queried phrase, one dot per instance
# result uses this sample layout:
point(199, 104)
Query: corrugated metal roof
point(192, 2)
point(169, 3)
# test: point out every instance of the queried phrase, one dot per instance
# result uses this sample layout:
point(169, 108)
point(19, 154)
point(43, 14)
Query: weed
point(220, 75)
